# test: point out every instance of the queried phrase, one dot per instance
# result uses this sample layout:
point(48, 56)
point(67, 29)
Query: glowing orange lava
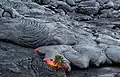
point(52, 63)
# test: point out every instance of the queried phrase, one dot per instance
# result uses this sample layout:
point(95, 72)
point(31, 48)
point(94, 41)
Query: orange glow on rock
point(35, 50)
point(52, 63)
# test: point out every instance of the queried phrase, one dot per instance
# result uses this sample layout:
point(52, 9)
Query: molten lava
point(52, 63)
point(35, 50)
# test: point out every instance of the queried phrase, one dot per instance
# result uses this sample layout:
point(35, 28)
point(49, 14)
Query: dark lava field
point(86, 32)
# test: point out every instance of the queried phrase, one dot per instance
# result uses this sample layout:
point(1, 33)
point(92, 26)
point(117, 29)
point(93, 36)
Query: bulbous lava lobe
point(51, 52)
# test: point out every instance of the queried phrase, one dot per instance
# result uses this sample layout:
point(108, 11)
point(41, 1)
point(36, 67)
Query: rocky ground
point(86, 31)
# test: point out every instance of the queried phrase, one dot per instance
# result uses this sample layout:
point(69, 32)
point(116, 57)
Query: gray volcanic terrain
point(86, 32)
